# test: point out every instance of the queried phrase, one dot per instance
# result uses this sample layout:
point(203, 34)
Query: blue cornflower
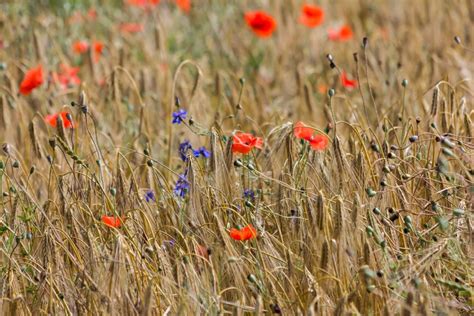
point(150, 196)
point(183, 149)
point(179, 116)
point(249, 194)
point(202, 151)
point(182, 186)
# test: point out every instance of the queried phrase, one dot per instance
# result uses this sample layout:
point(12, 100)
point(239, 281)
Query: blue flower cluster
point(179, 116)
point(200, 152)
point(249, 194)
point(182, 185)
point(150, 196)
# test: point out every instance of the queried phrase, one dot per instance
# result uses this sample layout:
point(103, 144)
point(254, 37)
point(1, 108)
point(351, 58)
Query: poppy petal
point(235, 234)
point(33, 79)
point(302, 131)
point(111, 221)
point(319, 142)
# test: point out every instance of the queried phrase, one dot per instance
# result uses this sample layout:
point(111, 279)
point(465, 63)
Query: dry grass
point(376, 224)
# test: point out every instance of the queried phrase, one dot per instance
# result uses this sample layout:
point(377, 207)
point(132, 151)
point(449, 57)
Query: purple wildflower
point(202, 151)
point(249, 194)
point(150, 196)
point(179, 116)
point(182, 186)
point(183, 149)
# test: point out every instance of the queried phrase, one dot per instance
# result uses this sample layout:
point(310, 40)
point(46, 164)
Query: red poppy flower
point(52, 119)
point(261, 23)
point(311, 15)
point(317, 142)
point(33, 79)
point(98, 48)
point(244, 142)
point(346, 82)
point(184, 5)
point(344, 33)
point(67, 76)
point(131, 27)
point(80, 47)
point(246, 233)
point(112, 221)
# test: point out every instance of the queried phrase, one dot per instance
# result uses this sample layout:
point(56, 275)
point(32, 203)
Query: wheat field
point(214, 157)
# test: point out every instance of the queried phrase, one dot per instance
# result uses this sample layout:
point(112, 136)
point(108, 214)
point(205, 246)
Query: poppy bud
point(331, 92)
point(32, 170)
point(457, 39)
point(252, 278)
point(242, 81)
point(329, 57)
point(146, 152)
point(404, 83)
point(50, 159)
point(374, 147)
point(370, 192)
point(418, 120)
point(69, 116)
point(6, 149)
point(413, 138)
point(113, 191)
point(16, 164)
point(150, 163)
point(238, 163)
point(3, 66)
point(376, 211)
point(380, 273)
point(275, 309)
point(356, 57)
point(394, 217)
point(2, 165)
